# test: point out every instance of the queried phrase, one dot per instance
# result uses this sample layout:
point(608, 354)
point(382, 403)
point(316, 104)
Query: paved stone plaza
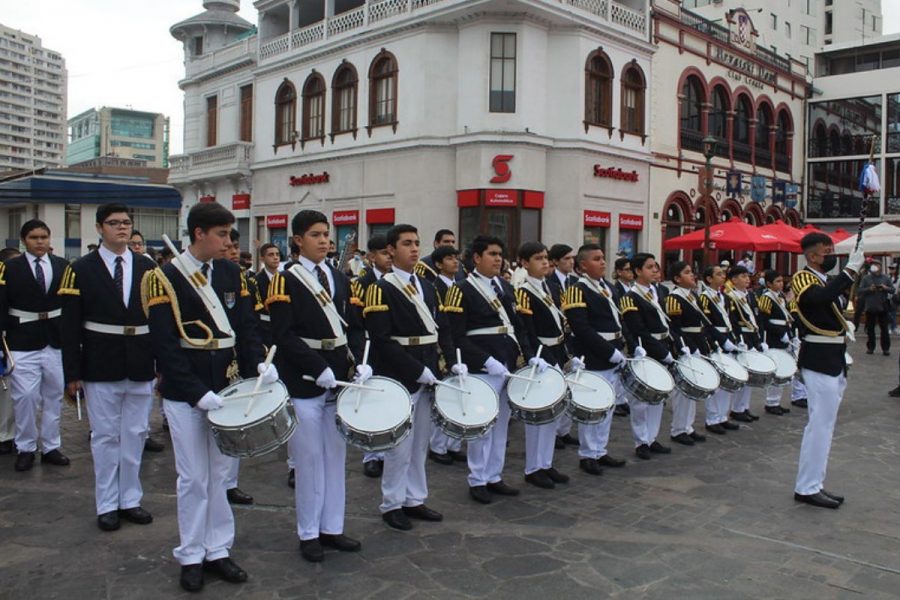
point(714, 521)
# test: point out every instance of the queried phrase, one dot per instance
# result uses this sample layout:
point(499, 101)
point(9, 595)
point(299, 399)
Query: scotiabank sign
point(311, 179)
point(631, 221)
point(500, 198)
point(240, 201)
point(596, 218)
point(615, 173)
point(345, 217)
point(276, 221)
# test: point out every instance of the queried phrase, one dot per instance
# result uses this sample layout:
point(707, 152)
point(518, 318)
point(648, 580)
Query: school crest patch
point(230, 299)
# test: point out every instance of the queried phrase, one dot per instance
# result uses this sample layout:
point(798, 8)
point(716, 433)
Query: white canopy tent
point(884, 238)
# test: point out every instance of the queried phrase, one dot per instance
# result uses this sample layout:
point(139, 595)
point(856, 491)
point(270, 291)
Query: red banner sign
point(631, 221)
point(311, 179)
point(345, 217)
point(276, 221)
point(500, 198)
point(596, 218)
point(615, 173)
point(380, 216)
point(240, 202)
point(207, 199)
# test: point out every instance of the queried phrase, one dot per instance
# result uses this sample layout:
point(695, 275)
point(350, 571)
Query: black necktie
point(545, 288)
point(39, 275)
point(119, 277)
point(323, 279)
point(497, 289)
point(204, 268)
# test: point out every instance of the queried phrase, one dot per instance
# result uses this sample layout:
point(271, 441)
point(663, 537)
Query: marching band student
point(544, 324)
point(428, 269)
point(798, 388)
point(822, 359)
point(31, 307)
point(482, 314)
point(7, 421)
point(444, 449)
point(380, 262)
point(744, 325)
point(309, 304)
point(405, 323)
point(106, 351)
point(716, 307)
point(561, 277)
point(775, 321)
point(688, 325)
point(270, 257)
point(201, 323)
point(623, 282)
point(593, 315)
point(648, 323)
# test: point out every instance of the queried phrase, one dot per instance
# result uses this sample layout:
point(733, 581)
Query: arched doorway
point(677, 220)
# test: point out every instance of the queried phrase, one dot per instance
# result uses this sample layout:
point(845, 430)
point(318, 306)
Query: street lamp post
point(709, 150)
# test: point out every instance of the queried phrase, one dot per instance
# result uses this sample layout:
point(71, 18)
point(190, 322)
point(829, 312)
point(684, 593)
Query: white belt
point(824, 339)
point(29, 317)
point(610, 336)
point(692, 329)
point(659, 336)
point(722, 329)
point(266, 318)
point(780, 322)
point(328, 344)
point(748, 329)
point(501, 330)
point(216, 344)
point(416, 340)
point(552, 341)
point(117, 329)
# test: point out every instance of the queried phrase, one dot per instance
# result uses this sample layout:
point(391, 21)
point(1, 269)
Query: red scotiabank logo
point(311, 179)
point(614, 173)
point(501, 168)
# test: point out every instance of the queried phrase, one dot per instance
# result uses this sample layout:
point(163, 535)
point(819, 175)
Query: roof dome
point(218, 13)
point(232, 5)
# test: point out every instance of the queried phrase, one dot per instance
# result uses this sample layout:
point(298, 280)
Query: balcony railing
point(741, 152)
point(782, 163)
point(721, 34)
point(692, 140)
point(226, 159)
point(236, 52)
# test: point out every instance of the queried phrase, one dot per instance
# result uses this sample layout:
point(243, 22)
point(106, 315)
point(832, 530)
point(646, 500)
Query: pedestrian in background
point(877, 292)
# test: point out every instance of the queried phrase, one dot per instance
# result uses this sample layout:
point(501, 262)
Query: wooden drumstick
point(522, 377)
point(452, 387)
point(462, 381)
point(267, 363)
point(78, 402)
point(533, 371)
point(349, 384)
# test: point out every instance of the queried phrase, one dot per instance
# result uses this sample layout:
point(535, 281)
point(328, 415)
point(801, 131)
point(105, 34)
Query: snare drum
point(465, 416)
point(732, 374)
point(268, 426)
point(760, 367)
point(785, 366)
point(696, 377)
point(376, 418)
point(590, 397)
point(647, 380)
point(545, 399)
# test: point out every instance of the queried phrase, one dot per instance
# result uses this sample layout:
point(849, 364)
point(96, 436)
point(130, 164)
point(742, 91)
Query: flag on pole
point(868, 180)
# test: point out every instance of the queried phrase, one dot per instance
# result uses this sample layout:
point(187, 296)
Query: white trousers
point(717, 407)
point(773, 395)
point(441, 443)
point(231, 477)
point(645, 421)
point(119, 413)
point(487, 454)
point(593, 438)
point(824, 398)
point(36, 385)
point(740, 401)
point(205, 520)
point(7, 420)
point(540, 441)
point(370, 456)
point(798, 389)
point(684, 411)
point(403, 482)
point(563, 425)
point(318, 452)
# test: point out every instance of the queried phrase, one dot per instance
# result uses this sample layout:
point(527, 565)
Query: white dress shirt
point(109, 259)
point(46, 267)
point(311, 267)
point(404, 277)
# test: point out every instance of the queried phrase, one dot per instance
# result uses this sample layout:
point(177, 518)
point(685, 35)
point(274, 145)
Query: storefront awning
point(88, 189)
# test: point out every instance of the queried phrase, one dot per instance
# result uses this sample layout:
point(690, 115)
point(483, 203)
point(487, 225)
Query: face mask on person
point(829, 262)
point(875, 270)
point(762, 282)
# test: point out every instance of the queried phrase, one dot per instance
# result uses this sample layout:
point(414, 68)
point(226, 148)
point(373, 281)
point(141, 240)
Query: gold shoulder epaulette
point(573, 298)
point(673, 306)
point(523, 302)
point(626, 305)
point(67, 284)
point(802, 281)
point(2, 273)
point(245, 287)
point(277, 291)
point(357, 293)
point(374, 300)
point(154, 290)
point(453, 300)
point(765, 305)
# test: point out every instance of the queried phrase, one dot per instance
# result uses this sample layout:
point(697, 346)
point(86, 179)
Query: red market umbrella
point(838, 235)
point(734, 234)
point(789, 236)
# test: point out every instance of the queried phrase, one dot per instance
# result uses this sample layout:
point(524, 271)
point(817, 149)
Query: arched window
point(718, 119)
point(633, 86)
point(343, 99)
point(782, 142)
point(820, 140)
point(691, 127)
point(598, 89)
point(846, 143)
point(834, 142)
point(314, 107)
point(285, 113)
point(383, 90)
point(742, 115)
point(763, 129)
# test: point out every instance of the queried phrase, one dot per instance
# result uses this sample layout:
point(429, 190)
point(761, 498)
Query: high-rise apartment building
point(32, 103)
point(120, 132)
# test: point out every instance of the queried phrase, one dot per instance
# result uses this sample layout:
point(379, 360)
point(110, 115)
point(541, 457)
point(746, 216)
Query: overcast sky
point(120, 53)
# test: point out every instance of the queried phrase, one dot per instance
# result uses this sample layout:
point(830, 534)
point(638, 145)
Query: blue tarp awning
point(89, 189)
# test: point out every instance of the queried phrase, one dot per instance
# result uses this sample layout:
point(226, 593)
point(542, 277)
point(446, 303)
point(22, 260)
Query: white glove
point(668, 360)
point(427, 377)
point(639, 352)
point(363, 372)
point(764, 347)
point(617, 357)
point(210, 401)
point(685, 351)
point(857, 259)
point(729, 346)
point(326, 379)
point(460, 369)
point(539, 362)
point(742, 346)
point(576, 363)
point(268, 374)
point(785, 339)
point(795, 342)
point(697, 352)
point(495, 367)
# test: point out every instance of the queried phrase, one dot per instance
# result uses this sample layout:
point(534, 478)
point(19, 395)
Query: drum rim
point(212, 413)
point(612, 390)
point(706, 362)
point(337, 414)
point(628, 368)
point(527, 369)
point(760, 354)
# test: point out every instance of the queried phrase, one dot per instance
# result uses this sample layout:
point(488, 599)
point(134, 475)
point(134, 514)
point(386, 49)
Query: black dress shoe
point(742, 417)
point(643, 452)
point(590, 466)
point(24, 461)
point(835, 497)
point(291, 479)
point(136, 515)
point(730, 426)
point(311, 550)
point(151, 445)
point(441, 459)
point(556, 476)
point(479, 493)
point(55, 457)
point(610, 461)
point(569, 440)
point(238, 496)
point(6, 447)
point(895, 393)
point(658, 448)
point(785, 410)
point(716, 428)
point(108, 521)
point(423, 513)
point(683, 438)
point(165, 425)
point(751, 415)
point(502, 489)
point(801, 402)
point(339, 542)
point(227, 569)
point(192, 577)
point(540, 479)
point(774, 410)
point(622, 410)
point(458, 455)
point(373, 468)
point(397, 519)
point(886, 353)
point(558, 444)
point(817, 499)
point(697, 437)
point(870, 352)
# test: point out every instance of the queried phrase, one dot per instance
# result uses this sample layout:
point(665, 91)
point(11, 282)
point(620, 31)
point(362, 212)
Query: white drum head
point(732, 368)
point(756, 362)
point(481, 404)
point(653, 374)
point(549, 387)
point(592, 391)
point(785, 365)
point(231, 415)
point(380, 409)
point(699, 372)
